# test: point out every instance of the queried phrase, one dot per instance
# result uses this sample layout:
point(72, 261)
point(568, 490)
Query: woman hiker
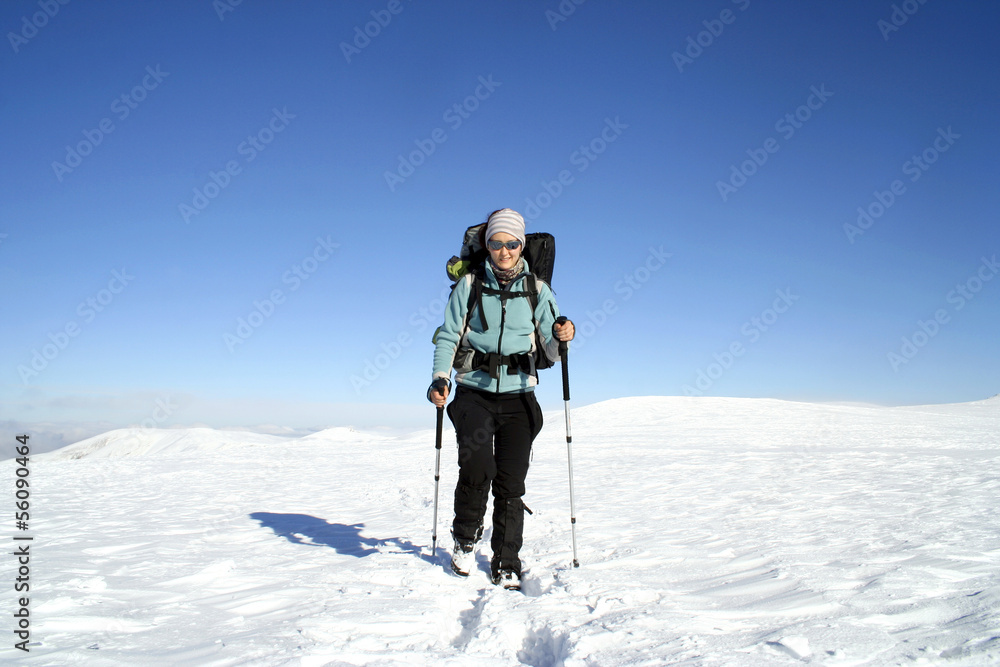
point(495, 414)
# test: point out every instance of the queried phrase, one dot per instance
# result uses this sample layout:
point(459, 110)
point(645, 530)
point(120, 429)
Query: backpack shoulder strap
point(475, 300)
point(478, 288)
point(552, 308)
point(532, 284)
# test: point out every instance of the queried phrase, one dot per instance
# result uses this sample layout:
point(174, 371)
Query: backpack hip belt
point(491, 362)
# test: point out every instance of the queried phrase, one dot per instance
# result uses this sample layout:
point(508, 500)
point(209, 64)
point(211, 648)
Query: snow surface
point(711, 531)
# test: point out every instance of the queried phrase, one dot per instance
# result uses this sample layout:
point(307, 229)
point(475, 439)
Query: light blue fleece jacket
point(510, 332)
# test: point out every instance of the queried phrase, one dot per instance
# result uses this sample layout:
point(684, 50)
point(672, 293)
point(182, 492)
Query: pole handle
point(440, 423)
point(563, 354)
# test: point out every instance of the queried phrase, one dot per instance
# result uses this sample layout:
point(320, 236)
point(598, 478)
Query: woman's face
point(505, 258)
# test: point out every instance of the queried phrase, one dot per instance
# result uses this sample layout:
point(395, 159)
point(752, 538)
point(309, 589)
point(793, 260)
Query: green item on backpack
point(539, 252)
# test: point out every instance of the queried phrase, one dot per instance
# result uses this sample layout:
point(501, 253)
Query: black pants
point(494, 432)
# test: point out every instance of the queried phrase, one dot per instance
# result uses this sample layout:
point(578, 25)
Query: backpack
point(540, 253)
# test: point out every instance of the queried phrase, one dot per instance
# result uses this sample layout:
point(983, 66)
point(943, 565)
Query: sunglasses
point(510, 245)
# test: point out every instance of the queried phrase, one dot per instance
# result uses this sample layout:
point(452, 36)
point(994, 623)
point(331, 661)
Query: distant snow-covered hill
point(155, 441)
point(143, 441)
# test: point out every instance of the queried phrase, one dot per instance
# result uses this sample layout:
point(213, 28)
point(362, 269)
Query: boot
point(463, 558)
point(509, 579)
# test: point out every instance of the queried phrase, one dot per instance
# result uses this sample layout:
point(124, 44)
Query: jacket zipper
point(503, 318)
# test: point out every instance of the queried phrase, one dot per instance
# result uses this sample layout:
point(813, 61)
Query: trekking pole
point(437, 481)
point(563, 349)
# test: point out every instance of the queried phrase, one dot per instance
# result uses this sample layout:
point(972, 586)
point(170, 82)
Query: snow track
point(711, 532)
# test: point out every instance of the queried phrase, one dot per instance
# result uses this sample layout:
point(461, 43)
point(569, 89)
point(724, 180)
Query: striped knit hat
point(506, 220)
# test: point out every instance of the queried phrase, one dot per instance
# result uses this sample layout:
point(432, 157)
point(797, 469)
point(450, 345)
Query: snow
point(711, 531)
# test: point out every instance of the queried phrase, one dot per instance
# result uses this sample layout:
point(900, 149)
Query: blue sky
point(238, 215)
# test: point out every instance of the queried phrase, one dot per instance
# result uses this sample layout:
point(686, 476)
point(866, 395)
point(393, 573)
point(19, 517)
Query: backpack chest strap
point(479, 288)
point(504, 294)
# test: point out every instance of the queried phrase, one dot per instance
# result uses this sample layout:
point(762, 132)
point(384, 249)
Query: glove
point(437, 386)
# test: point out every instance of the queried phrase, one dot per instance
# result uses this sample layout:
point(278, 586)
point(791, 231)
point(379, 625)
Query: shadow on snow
point(343, 538)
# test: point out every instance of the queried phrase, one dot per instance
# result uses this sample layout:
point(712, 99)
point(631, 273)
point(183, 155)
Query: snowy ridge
point(145, 441)
point(712, 531)
point(164, 442)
